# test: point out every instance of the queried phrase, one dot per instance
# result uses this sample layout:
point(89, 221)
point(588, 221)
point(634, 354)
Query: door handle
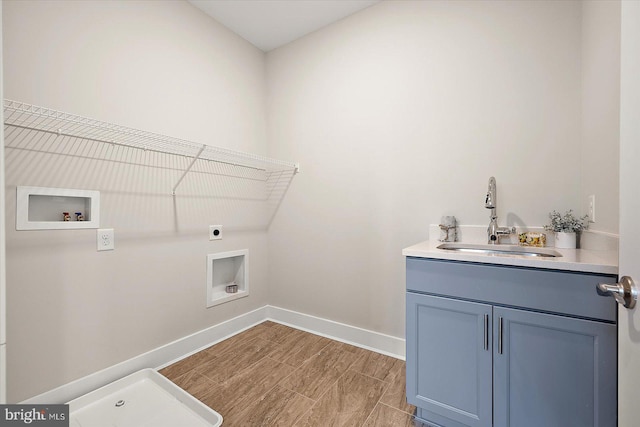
point(625, 292)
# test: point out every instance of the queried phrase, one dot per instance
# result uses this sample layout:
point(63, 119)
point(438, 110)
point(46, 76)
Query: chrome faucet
point(494, 232)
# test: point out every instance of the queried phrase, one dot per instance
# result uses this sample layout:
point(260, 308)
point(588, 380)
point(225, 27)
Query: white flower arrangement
point(567, 223)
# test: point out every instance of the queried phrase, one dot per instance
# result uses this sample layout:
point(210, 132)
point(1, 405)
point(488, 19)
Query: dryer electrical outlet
point(215, 232)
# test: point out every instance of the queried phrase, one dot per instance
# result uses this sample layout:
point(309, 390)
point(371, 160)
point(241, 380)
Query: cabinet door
point(449, 360)
point(553, 371)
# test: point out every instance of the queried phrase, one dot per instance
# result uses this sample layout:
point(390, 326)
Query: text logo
point(34, 415)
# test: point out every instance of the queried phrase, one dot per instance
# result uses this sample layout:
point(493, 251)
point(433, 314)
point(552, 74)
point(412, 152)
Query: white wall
point(399, 115)
point(601, 111)
point(3, 301)
point(159, 66)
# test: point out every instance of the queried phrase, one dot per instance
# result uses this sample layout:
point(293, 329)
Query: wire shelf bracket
point(173, 192)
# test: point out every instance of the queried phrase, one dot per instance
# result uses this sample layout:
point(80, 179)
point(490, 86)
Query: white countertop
point(583, 260)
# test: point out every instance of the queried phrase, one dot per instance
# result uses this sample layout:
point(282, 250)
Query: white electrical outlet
point(215, 232)
point(592, 208)
point(106, 239)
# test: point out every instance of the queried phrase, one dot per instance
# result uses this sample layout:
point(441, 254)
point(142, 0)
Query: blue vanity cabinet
point(499, 346)
point(553, 371)
point(449, 358)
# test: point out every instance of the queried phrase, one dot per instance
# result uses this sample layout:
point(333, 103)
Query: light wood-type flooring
point(274, 375)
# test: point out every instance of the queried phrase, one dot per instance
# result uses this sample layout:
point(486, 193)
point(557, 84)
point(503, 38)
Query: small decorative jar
point(448, 226)
point(66, 216)
point(565, 240)
point(532, 239)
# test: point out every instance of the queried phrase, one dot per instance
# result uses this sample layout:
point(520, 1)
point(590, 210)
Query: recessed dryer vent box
point(227, 276)
point(42, 208)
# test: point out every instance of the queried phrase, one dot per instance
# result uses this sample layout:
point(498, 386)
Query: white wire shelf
point(31, 117)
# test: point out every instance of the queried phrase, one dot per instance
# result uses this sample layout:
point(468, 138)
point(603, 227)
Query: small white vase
point(565, 240)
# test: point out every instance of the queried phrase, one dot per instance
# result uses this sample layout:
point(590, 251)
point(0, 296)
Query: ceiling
point(268, 24)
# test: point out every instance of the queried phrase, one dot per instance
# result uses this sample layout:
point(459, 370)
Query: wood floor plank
point(379, 366)
point(291, 344)
point(234, 396)
point(233, 361)
point(231, 343)
point(196, 384)
point(396, 395)
point(185, 365)
point(268, 323)
point(269, 331)
point(315, 376)
point(385, 416)
point(310, 347)
point(348, 402)
point(279, 407)
point(278, 333)
point(275, 375)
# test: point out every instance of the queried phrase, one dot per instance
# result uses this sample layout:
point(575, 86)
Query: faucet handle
point(506, 230)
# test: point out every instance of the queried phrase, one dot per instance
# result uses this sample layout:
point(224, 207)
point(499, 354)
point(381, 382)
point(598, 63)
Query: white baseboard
point(374, 341)
point(172, 352)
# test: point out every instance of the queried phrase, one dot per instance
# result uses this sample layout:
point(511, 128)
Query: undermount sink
point(500, 249)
